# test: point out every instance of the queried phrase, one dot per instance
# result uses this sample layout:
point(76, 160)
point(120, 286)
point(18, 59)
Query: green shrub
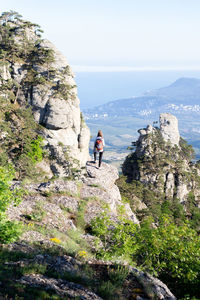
point(111, 287)
point(107, 290)
point(36, 151)
point(116, 237)
point(9, 230)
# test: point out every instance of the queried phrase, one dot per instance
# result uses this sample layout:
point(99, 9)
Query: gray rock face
point(5, 74)
point(57, 115)
point(169, 185)
point(169, 128)
point(154, 288)
point(143, 143)
point(61, 287)
point(183, 188)
point(61, 117)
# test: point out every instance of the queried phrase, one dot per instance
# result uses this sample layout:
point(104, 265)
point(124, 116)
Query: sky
point(114, 35)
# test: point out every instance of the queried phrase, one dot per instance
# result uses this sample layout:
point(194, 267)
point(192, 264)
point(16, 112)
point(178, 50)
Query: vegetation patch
point(9, 230)
point(167, 250)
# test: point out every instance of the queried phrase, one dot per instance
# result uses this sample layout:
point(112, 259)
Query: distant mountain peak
point(181, 98)
point(189, 81)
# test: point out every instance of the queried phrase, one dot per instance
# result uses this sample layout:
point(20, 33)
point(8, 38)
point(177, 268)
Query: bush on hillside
point(166, 249)
point(9, 231)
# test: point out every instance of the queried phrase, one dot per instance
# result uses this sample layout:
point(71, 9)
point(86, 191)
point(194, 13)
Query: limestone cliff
point(162, 161)
point(34, 74)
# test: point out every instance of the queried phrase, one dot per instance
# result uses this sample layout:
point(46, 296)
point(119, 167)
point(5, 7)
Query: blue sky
point(128, 34)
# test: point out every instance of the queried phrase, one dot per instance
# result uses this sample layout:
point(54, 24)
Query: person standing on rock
point(98, 147)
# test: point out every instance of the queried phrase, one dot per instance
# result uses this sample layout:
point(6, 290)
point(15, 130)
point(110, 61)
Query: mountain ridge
point(184, 91)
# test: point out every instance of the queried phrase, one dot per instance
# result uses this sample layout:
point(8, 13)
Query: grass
point(73, 242)
point(6, 255)
point(95, 185)
point(70, 243)
point(37, 214)
point(80, 216)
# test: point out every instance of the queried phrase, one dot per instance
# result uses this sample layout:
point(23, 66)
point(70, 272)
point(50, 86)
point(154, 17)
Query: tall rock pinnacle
point(169, 128)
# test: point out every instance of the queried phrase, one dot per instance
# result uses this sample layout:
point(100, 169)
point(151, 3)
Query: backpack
point(99, 144)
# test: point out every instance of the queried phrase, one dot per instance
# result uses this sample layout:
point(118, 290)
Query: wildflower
point(30, 224)
point(55, 240)
point(82, 253)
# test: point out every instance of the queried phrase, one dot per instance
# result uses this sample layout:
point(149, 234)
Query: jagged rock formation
point(162, 161)
point(33, 73)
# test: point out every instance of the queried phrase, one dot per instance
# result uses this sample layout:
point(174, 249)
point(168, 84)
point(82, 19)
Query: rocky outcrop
point(55, 206)
point(162, 161)
point(168, 130)
point(61, 287)
point(153, 287)
point(41, 78)
point(100, 183)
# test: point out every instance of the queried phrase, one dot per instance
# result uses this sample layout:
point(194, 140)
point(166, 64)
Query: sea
point(96, 88)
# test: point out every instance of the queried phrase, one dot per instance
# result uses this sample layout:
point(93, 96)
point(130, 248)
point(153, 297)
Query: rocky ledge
point(57, 203)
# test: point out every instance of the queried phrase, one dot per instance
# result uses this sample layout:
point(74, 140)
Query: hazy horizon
point(96, 88)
